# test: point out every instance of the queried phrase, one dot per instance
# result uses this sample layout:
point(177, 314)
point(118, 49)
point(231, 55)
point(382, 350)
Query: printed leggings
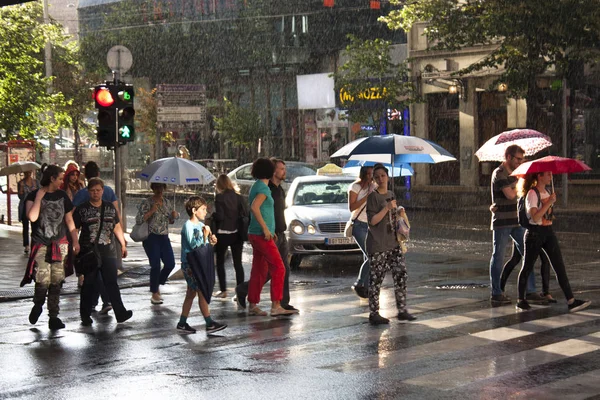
point(381, 263)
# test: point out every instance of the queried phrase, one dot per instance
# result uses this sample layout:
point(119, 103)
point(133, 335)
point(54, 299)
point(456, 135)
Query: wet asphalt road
point(458, 347)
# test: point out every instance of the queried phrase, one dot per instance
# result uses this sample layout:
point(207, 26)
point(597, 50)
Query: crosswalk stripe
point(496, 366)
point(579, 387)
point(463, 343)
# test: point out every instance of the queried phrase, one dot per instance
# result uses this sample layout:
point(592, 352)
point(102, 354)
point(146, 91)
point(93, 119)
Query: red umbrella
point(554, 164)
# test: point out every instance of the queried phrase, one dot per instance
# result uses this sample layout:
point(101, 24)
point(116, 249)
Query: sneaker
point(215, 327)
point(240, 299)
point(361, 291)
point(404, 316)
point(282, 311)
point(536, 298)
point(105, 309)
point(523, 305)
point(87, 321)
point(256, 311)
point(220, 294)
point(550, 299)
point(156, 300)
point(579, 305)
point(498, 300)
point(35, 313)
point(377, 319)
point(54, 323)
point(290, 307)
point(122, 318)
point(185, 328)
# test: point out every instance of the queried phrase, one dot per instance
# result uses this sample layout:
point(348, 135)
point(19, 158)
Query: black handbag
point(243, 219)
point(90, 260)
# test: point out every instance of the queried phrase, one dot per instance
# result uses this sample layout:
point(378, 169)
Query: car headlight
point(297, 227)
point(311, 229)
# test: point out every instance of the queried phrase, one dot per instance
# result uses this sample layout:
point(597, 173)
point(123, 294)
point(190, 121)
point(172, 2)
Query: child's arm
point(192, 236)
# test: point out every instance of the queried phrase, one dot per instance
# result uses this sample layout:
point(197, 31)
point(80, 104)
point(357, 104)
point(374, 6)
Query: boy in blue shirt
point(195, 234)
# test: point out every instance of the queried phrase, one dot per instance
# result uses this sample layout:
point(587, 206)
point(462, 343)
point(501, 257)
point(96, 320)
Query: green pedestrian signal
point(125, 133)
point(126, 114)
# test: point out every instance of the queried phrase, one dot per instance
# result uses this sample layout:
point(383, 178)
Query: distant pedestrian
point(385, 252)
point(261, 233)
point(228, 206)
point(88, 216)
point(281, 242)
point(195, 234)
point(357, 203)
point(505, 225)
point(159, 213)
point(51, 214)
point(540, 235)
point(25, 186)
point(72, 184)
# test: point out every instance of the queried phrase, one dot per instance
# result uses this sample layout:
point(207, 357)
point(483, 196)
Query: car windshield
point(294, 171)
point(329, 192)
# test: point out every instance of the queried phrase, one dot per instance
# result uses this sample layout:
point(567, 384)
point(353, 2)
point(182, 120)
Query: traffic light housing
point(105, 103)
point(126, 113)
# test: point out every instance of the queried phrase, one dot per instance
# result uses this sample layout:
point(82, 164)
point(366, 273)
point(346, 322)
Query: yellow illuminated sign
point(369, 94)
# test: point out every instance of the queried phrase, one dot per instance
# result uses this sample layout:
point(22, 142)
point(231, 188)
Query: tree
point(75, 84)
point(528, 36)
point(24, 96)
point(240, 126)
point(370, 82)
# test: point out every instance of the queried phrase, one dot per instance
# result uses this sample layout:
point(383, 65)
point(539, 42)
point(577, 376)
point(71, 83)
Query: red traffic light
point(103, 97)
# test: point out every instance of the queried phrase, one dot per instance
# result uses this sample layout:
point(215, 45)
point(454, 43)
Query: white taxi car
point(316, 214)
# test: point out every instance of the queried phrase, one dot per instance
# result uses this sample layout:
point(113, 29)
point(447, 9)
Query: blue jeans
point(501, 239)
point(158, 247)
point(359, 232)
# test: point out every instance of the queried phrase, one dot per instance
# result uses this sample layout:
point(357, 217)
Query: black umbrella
point(202, 262)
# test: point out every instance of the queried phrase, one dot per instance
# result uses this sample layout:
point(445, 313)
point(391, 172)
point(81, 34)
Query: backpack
point(522, 209)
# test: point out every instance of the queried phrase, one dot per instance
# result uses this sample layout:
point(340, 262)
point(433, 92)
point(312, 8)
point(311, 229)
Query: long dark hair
point(362, 175)
point(51, 171)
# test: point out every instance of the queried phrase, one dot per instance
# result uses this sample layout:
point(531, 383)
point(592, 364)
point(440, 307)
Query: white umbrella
point(18, 167)
point(529, 140)
point(176, 171)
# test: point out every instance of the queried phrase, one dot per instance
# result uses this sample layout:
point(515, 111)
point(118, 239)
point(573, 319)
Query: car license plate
point(342, 240)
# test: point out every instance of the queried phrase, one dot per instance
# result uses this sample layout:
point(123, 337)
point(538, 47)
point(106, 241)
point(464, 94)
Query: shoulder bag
point(350, 224)
point(89, 261)
point(140, 232)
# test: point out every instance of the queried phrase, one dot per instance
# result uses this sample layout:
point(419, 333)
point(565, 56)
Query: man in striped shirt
point(505, 223)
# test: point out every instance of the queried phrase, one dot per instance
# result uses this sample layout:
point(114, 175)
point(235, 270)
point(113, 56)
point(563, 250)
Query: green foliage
point(527, 36)
point(369, 70)
point(146, 114)
point(24, 100)
point(240, 126)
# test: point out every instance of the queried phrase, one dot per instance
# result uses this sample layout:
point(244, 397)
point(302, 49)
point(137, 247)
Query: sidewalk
point(135, 266)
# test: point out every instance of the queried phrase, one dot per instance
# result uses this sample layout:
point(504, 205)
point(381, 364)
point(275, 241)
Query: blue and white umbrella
point(353, 167)
point(176, 171)
point(394, 149)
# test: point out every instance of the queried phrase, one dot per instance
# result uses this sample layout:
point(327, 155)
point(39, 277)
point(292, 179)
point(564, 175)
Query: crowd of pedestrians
point(70, 219)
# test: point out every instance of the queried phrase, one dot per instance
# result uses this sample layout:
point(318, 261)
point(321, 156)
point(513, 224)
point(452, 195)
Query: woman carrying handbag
point(99, 224)
point(357, 203)
point(385, 252)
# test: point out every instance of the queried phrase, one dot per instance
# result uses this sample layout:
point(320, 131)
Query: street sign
point(179, 110)
point(181, 107)
point(181, 117)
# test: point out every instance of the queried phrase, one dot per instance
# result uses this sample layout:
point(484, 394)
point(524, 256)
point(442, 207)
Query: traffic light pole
point(117, 170)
